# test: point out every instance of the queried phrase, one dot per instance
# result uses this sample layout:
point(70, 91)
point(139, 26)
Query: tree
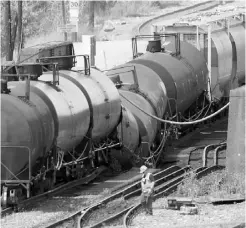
point(64, 19)
point(7, 19)
point(19, 28)
point(91, 15)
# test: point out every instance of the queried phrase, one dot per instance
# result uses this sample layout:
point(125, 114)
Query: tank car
point(62, 122)
point(227, 50)
point(58, 122)
point(163, 84)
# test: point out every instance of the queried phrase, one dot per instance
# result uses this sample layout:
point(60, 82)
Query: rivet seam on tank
point(28, 102)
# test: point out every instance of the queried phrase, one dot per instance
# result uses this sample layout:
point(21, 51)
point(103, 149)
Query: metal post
point(54, 74)
point(92, 50)
point(105, 60)
point(154, 30)
point(4, 196)
point(242, 17)
point(209, 61)
point(135, 77)
point(181, 36)
point(27, 93)
point(228, 26)
point(30, 173)
point(28, 190)
point(77, 30)
point(197, 38)
point(163, 31)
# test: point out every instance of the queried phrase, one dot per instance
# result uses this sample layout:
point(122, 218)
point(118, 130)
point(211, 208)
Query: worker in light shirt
point(147, 184)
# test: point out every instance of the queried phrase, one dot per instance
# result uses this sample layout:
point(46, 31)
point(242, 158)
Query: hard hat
point(143, 168)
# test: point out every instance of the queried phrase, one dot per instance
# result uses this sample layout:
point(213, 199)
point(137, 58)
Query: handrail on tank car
point(86, 61)
point(135, 78)
point(156, 35)
point(17, 180)
point(27, 77)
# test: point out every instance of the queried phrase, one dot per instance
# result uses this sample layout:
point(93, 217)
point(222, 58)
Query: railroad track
point(144, 28)
point(160, 192)
point(202, 143)
point(130, 196)
point(166, 182)
point(56, 190)
point(84, 216)
point(68, 203)
point(63, 187)
point(201, 155)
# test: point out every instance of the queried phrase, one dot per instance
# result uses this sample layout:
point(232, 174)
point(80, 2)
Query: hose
point(173, 122)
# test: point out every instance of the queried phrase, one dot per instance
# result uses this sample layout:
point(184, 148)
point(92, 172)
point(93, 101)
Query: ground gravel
point(47, 212)
point(111, 209)
point(208, 216)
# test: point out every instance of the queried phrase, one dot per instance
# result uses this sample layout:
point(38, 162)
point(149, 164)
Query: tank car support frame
point(23, 183)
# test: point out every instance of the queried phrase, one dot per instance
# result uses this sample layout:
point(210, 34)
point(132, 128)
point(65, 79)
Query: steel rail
point(212, 148)
point(86, 210)
point(63, 187)
point(160, 178)
point(216, 152)
point(201, 171)
point(127, 191)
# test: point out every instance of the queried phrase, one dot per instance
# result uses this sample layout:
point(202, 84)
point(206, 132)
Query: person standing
point(147, 185)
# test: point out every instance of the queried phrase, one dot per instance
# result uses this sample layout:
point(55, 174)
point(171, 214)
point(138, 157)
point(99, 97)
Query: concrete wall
point(235, 154)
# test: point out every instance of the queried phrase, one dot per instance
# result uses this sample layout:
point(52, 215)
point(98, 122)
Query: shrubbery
point(220, 184)
point(42, 18)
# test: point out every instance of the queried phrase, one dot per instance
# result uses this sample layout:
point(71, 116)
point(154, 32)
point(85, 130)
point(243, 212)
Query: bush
point(219, 184)
point(132, 9)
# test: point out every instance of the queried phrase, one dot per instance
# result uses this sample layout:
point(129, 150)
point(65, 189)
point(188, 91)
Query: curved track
point(189, 150)
point(145, 28)
point(70, 201)
point(61, 188)
point(170, 187)
point(130, 195)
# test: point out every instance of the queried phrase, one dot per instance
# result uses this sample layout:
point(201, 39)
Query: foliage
point(42, 18)
point(218, 184)
point(39, 17)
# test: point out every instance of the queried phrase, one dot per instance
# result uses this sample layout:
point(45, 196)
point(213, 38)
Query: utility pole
point(19, 29)
point(7, 19)
point(64, 19)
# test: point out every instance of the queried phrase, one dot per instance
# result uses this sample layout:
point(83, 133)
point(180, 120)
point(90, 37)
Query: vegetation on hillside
point(220, 184)
point(41, 18)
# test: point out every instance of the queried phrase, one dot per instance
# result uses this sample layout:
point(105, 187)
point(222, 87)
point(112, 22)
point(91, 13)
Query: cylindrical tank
point(222, 73)
point(237, 37)
point(21, 129)
point(103, 99)
point(70, 106)
point(61, 113)
point(128, 130)
point(147, 126)
point(43, 106)
point(150, 85)
point(128, 134)
point(185, 77)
